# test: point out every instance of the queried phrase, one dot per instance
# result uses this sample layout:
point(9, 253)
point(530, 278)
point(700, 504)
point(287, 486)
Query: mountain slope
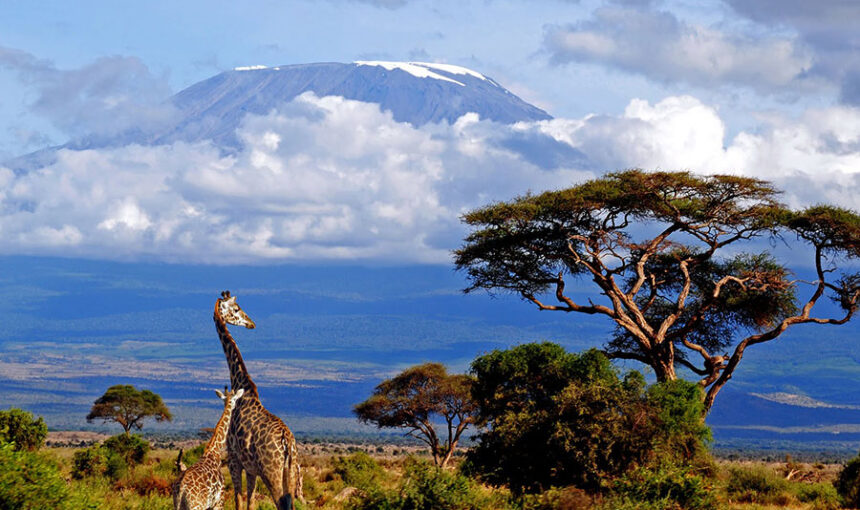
point(213, 108)
point(417, 93)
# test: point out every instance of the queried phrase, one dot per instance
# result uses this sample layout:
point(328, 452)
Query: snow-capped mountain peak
point(427, 70)
point(414, 92)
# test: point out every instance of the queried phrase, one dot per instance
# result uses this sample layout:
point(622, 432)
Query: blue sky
point(766, 88)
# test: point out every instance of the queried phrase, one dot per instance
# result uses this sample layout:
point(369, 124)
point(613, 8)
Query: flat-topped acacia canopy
point(654, 245)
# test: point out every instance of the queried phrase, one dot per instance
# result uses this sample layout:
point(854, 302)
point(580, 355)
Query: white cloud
point(662, 47)
point(110, 95)
point(814, 158)
point(334, 179)
point(322, 178)
point(828, 27)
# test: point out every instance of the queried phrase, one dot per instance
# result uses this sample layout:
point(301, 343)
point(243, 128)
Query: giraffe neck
point(218, 442)
point(239, 377)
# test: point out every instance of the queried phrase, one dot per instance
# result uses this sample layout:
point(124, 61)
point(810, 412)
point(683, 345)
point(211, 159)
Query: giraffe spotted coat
point(258, 442)
point(201, 487)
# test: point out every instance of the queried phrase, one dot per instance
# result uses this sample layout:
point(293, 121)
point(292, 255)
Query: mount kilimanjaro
point(414, 92)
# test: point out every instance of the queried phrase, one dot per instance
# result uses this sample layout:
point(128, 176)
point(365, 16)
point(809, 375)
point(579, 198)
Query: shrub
point(132, 448)
point(552, 418)
point(18, 426)
point(757, 484)
point(427, 487)
point(29, 481)
point(848, 483)
point(671, 486)
point(823, 496)
point(151, 484)
point(190, 457)
point(680, 436)
point(566, 498)
point(107, 459)
point(359, 470)
point(88, 462)
point(115, 466)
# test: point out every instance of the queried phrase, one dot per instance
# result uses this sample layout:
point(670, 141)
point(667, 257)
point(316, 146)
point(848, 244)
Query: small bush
point(670, 486)
point(848, 483)
point(823, 496)
point(427, 487)
point(132, 448)
point(115, 466)
point(19, 427)
point(190, 457)
point(359, 470)
point(757, 484)
point(88, 462)
point(151, 484)
point(566, 498)
point(29, 481)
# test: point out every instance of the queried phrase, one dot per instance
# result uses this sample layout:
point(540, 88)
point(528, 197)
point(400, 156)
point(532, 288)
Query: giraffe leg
point(251, 480)
point(236, 476)
point(280, 488)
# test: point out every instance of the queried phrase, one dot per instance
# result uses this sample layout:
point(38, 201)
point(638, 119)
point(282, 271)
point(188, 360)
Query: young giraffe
point(258, 442)
point(201, 486)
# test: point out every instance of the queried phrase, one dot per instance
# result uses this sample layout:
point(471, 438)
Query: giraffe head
point(231, 313)
point(229, 397)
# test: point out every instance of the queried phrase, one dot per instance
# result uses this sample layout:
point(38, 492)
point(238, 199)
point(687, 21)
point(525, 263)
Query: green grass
point(398, 480)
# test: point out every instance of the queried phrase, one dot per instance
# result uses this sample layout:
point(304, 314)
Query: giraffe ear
point(220, 395)
point(239, 393)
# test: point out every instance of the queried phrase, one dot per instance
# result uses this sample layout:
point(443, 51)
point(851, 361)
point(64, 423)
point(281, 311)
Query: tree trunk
point(664, 370)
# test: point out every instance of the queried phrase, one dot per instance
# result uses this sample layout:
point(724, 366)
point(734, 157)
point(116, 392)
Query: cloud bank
point(324, 178)
point(658, 45)
point(110, 94)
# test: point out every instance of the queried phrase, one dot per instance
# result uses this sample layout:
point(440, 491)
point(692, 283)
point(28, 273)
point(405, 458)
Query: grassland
point(328, 485)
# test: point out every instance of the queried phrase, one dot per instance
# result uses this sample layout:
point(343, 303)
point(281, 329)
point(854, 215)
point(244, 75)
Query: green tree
point(665, 252)
point(128, 406)
point(552, 418)
point(416, 399)
point(19, 427)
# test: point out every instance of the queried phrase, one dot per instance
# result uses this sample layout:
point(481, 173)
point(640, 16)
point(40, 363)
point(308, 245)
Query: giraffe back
point(201, 486)
point(260, 441)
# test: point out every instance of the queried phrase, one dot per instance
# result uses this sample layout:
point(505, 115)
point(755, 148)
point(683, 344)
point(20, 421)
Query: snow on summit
point(425, 69)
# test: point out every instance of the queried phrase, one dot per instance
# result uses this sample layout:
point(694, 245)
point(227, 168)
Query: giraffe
point(201, 486)
point(258, 442)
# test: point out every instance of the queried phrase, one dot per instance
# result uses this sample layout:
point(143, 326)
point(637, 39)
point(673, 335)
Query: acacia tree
point(128, 406)
point(418, 397)
point(664, 251)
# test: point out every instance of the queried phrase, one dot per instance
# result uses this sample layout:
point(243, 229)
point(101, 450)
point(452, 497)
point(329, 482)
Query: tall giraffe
point(258, 442)
point(201, 486)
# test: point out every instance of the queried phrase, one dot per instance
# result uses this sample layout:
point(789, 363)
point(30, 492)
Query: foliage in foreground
point(428, 487)
point(111, 459)
point(29, 480)
point(400, 483)
point(19, 427)
point(664, 487)
point(761, 485)
point(848, 484)
point(552, 419)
